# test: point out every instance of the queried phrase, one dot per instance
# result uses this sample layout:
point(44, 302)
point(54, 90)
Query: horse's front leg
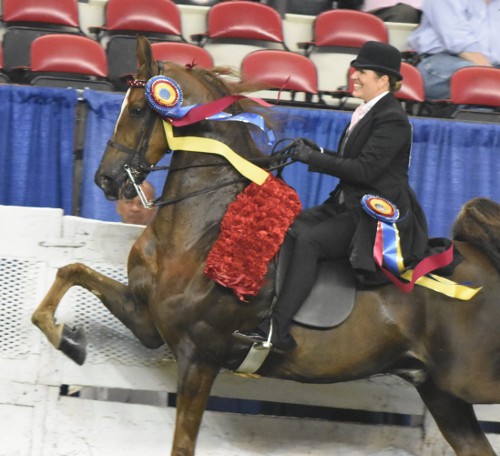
point(193, 390)
point(113, 294)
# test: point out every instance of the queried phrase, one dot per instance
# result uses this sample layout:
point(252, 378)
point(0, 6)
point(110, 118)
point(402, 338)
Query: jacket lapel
point(348, 137)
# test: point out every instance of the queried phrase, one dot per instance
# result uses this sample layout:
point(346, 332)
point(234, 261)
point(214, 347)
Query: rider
point(372, 158)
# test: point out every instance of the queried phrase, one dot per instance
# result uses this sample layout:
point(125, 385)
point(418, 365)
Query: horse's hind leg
point(113, 294)
point(457, 421)
point(194, 385)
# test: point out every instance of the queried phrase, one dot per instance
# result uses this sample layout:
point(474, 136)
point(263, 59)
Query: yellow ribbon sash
point(212, 146)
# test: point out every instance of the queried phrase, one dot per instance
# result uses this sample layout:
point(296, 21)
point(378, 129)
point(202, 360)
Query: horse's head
point(139, 140)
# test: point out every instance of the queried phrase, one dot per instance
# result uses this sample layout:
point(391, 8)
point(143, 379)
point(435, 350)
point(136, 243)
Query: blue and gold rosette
point(388, 256)
point(387, 249)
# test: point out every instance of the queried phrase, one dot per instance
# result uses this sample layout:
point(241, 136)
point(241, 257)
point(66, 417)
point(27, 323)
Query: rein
point(159, 202)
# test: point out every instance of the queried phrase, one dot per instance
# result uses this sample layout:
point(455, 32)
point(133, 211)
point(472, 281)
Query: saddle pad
point(332, 299)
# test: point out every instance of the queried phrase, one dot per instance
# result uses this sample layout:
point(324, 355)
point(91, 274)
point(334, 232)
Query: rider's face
point(368, 84)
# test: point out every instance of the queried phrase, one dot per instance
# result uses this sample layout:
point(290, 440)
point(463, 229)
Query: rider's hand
point(303, 150)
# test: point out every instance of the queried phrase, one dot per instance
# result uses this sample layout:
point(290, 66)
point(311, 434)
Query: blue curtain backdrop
point(452, 162)
point(36, 146)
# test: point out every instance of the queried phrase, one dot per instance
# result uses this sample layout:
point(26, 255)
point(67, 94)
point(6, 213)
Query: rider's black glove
point(304, 149)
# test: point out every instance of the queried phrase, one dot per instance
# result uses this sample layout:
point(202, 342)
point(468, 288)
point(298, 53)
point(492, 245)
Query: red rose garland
point(252, 230)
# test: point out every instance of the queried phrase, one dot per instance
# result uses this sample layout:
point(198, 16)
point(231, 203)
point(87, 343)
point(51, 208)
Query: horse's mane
point(478, 224)
point(224, 80)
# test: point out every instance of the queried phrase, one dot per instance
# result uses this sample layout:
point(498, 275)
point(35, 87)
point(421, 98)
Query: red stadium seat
point(412, 88)
point(158, 20)
point(26, 20)
point(157, 16)
point(338, 36)
point(183, 54)
point(61, 12)
point(283, 70)
point(412, 93)
point(475, 92)
point(236, 28)
point(69, 61)
point(478, 86)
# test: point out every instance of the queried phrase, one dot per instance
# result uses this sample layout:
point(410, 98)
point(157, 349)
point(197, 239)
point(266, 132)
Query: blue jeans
point(437, 70)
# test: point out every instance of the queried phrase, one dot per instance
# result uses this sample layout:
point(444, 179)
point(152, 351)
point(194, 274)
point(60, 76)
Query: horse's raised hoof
point(74, 343)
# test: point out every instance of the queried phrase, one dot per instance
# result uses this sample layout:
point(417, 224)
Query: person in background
point(132, 211)
point(394, 11)
point(454, 34)
point(373, 158)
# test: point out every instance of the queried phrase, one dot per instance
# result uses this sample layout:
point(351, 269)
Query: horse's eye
point(136, 111)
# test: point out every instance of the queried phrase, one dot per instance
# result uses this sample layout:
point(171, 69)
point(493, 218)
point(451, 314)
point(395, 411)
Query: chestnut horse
point(448, 349)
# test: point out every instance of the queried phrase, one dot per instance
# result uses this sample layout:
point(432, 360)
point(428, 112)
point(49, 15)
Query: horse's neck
point(199, 200)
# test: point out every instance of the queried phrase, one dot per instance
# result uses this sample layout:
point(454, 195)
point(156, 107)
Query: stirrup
point(257, 341)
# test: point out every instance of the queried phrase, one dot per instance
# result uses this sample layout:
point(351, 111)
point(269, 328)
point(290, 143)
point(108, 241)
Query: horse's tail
point(478, 224)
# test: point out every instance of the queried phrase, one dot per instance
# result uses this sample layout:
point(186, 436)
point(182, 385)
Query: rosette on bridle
point(164, 95)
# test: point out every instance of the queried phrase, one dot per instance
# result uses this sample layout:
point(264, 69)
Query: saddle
point(332, 298)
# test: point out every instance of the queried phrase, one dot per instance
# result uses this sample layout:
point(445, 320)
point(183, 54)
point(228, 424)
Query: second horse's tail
point(478, 223)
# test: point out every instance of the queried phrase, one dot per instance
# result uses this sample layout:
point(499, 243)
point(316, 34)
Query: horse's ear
point(145, 55)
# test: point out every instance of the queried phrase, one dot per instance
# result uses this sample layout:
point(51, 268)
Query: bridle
point(138, 167)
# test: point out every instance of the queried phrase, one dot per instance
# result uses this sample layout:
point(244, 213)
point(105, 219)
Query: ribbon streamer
point(212, 146)
point(388, 256)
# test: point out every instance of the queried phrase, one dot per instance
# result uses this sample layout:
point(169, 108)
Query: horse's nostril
point(102, 180)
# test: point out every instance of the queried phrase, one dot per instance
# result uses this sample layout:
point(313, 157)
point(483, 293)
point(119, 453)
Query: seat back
point(280, 69)
point(245, 20)
point(25, 20)
point(156, 16)
point(183, 54)
point(158, 20)
point(348, 28)
point(62, 60)
point(338, 35)
point(62, 12)
point(236, 28)
point(476, 86)
point(412, 88)
point(68, 54)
